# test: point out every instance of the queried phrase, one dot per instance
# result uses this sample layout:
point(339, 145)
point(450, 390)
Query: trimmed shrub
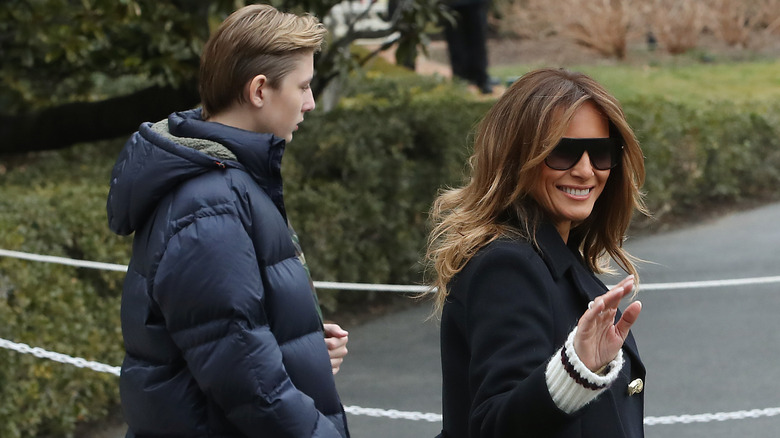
point(54, 204)
point(703, 157)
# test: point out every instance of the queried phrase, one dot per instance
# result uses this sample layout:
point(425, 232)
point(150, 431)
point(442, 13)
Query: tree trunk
point(62, 126)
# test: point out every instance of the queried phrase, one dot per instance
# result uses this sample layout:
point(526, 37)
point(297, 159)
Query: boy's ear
point(256, 90)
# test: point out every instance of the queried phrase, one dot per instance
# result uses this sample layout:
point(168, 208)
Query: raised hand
point(598, 337)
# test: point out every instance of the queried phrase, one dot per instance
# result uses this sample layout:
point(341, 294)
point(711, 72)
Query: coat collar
point(258, 154)
point(561, 259)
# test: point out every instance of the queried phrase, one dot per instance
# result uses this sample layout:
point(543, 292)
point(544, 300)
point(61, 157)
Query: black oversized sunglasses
point(604, 153)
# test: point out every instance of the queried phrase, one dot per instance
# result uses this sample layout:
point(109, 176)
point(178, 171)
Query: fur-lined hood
point(160, 156)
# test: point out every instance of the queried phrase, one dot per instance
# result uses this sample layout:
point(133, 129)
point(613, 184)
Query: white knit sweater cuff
point(571, 384)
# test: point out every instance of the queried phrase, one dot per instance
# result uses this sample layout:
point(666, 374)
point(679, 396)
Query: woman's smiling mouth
point(574, 191)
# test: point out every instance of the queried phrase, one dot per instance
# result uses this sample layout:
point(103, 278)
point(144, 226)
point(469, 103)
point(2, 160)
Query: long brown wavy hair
point(510, 146)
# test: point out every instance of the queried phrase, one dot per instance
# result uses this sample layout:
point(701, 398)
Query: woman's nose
point(583, 168)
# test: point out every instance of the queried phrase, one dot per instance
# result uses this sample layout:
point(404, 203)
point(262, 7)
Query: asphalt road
point(707, 350)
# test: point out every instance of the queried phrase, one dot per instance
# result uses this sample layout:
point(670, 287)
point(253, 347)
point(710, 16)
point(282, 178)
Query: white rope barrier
point(394, 287)
point(62, 261)
point(708, 418)
point(648, 421)
point(389, 413)
point(372, 287)
point(711, 283)
point(394, 413)
point(58, 357)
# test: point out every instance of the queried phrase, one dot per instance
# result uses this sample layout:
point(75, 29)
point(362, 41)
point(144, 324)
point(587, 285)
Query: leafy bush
point(54, 204)
point(698, 158)
point(359, 182)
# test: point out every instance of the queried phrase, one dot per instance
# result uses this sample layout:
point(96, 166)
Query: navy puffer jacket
point(221, 332)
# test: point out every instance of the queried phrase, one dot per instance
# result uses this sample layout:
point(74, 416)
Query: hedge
point(54, 203)
point(359, 182)
point(701, 158)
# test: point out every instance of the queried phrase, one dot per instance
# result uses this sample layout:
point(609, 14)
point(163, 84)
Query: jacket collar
point(259, 154)
point(556, 255)
point(561, 258)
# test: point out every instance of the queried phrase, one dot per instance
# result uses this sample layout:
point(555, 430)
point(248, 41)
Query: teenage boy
point(221, 328)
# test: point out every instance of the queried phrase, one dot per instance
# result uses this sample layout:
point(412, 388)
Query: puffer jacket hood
point(161, 156)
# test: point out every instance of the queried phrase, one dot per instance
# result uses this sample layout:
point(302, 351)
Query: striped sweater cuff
point(571, 384)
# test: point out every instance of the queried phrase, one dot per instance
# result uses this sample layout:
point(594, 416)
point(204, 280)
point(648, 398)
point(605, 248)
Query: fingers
point(334, 330)
point(628, 318)
point(337, 350)
point(605, 306)
point(337, 347)
point(335, 365)
point(336, 339)
point(620, 291)
point(626, 280)
point(611, 299)
point(597, 310)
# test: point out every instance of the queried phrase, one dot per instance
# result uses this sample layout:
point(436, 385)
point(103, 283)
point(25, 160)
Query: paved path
point(707, 350)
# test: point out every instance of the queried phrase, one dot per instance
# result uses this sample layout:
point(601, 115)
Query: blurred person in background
point(222, 330)
point(532, 342)
point(467, 42)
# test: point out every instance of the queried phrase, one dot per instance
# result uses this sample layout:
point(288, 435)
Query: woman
point(532, 343)
point(222, 333)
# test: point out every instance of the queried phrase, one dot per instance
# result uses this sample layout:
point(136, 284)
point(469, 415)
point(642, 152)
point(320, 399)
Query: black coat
point(510, 309)
point(221, 331)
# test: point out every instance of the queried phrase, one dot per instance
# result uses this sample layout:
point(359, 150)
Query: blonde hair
point(256, 39)
point(510, 146)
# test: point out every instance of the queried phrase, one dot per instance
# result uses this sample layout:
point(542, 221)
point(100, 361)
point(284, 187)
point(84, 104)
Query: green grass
point(736, 82)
